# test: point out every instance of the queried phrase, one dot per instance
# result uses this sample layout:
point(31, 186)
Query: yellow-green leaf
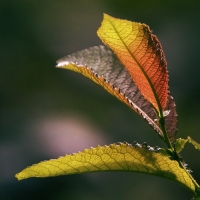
point(141, 53)
point(102, 66)
point(194, 143)
point(115, 157)
point(180, 143)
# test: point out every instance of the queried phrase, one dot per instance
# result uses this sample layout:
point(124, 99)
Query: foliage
point(134, 70)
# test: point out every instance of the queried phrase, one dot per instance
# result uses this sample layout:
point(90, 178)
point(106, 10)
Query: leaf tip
point(60, 64)
point(106, 15)
point(19, 177)
point(106, 19)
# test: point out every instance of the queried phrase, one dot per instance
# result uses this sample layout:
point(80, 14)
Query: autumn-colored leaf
point(115, 157)
point(102, 66)
point(141, 53)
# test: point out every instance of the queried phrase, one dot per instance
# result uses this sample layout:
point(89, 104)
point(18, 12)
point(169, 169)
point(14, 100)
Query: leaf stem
point(162, 124)
point(177, 156)
point(159, 109)
point(179, 160)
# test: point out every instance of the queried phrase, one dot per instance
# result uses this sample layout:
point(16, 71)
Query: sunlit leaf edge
point(180, 144)
point(115, 157)
point(194, 143)
point(123, 35)
point(86, 63)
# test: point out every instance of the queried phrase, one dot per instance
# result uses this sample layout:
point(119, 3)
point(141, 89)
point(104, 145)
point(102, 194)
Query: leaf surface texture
point(141, 53)
point(180, 144)
point(115, 157)
point(102, 66)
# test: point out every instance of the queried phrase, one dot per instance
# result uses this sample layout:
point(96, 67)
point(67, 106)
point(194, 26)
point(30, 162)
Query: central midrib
point(141, 68)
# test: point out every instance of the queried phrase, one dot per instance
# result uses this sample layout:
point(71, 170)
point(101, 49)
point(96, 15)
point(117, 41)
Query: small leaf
point(180, 143)
point(102, 66)
point(195, 144)
point(115, 157)
point(141, 53)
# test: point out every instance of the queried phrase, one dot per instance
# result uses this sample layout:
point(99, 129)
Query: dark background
point(48, 112)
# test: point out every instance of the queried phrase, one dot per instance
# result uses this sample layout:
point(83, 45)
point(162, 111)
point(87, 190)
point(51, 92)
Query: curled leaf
point(194, 143)
point(141, 53)
point(102, 66)
point(115, 157)
point(180, 143)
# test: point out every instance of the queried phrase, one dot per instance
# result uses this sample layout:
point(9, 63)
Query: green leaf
point(115, 157)
point(195, 144)
point(102, 66)
point(180, 143)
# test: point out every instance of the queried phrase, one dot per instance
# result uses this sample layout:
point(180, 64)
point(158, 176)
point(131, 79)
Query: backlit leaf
point(194, 143)
point(115, 157)
point(141, 53)
point(104, 68)
point(180, 143)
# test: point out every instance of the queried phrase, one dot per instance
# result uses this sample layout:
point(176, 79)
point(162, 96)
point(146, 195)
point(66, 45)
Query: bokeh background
point(47, 112)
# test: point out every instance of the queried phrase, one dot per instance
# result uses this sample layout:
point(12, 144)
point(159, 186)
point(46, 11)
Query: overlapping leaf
point(141, 53)
point(103, 67)
point(115, 157)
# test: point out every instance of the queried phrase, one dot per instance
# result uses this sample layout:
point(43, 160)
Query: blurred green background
point(48, 112)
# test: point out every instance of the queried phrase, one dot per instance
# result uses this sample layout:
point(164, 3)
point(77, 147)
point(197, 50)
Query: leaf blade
point(142, 55)
point(194, 143)
point(180, 144)
point(115, 157)
point(102, 66)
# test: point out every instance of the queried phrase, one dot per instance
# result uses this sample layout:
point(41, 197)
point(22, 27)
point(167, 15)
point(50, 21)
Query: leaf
point(142, 55)
point(194, 143)
point(102, 66)
point(180, 143)
point(115, 157)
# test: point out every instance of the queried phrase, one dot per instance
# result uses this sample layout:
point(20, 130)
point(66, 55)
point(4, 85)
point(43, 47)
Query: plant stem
point(177, 157)
point(162, 123)
point(179, 160)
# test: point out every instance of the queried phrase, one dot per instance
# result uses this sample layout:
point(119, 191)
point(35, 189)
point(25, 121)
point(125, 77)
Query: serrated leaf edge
point(128, 101)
